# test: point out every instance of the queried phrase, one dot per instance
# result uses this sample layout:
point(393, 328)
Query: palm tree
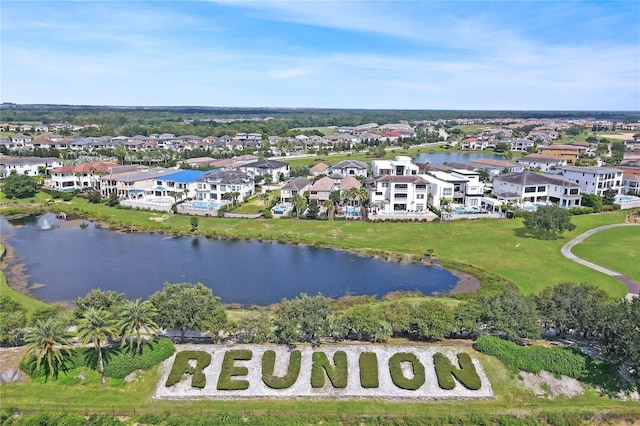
point(47, 341)
point(96, 327)
point(328, 204)
point(299, 202)
point(135, 315)
point(362, 194)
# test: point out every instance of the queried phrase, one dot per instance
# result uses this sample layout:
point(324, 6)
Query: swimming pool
point(467, 210)
point(204, 204)
point(626, 198)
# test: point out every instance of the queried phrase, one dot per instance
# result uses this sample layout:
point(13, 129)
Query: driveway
point(633, 287)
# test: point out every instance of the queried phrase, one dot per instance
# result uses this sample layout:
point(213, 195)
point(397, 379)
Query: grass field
point(498, 246)
point(616, 248)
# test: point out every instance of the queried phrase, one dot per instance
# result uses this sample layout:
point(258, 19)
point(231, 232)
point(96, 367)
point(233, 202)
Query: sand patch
point(547, 385)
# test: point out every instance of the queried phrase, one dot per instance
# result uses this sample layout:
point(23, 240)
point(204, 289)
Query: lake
point(450, 157)
point(64, 260)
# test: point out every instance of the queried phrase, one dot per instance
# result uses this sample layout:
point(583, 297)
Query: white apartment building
point(521, 187)
point(594, 180)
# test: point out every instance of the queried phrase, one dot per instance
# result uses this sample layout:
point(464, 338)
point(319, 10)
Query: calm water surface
point(70, 260)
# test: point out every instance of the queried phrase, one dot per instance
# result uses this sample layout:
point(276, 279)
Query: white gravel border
point(302, 387)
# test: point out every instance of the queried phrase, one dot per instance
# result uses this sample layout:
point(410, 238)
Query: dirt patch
point(10, 364)
point(547, 385)
point(467, 283)
point(633, 217)
point(622, 136)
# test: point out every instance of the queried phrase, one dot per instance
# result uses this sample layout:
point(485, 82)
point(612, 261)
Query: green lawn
point(617, 249)
point(255, 203)
point(498, 246)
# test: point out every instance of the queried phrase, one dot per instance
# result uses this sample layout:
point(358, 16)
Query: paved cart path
point(633, 287)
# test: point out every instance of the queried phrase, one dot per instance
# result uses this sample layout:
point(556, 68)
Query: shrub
point(123, 361)
point(228, 370)
point(466, 374)
point(181, 367)
point(397, 376)
point(286, 381)
point(338, 374)
point(533, 359)
point(369, 370)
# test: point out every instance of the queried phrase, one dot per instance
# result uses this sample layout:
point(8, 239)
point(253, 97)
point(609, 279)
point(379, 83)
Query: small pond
point(65, 259)
point(450, 157)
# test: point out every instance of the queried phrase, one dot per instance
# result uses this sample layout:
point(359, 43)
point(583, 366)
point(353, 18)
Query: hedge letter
point(369, 370)
point(286, 381)
point(181, 366)
point(228, 370)
point(337, 374)
point(466, 374)
point(397, 376)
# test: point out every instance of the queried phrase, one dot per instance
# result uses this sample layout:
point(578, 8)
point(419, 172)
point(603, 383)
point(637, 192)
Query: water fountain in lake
point(45, 224)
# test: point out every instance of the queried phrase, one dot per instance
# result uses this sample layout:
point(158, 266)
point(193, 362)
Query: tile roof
point(296, 184)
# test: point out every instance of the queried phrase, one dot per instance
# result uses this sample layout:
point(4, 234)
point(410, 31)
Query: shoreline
point(17, 279)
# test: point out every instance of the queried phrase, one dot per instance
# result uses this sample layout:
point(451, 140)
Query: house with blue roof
point(179, 185)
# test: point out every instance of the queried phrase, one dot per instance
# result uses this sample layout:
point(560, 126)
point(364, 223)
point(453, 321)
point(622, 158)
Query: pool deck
point(423, 217)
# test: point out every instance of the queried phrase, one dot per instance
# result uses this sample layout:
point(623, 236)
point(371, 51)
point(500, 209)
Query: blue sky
point(569, 55)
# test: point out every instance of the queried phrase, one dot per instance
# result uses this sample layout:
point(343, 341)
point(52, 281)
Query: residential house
point(179, 185)
point(522, 145)
point(571, 153)
point(468, 190)
point(295, 186)
point(593, 180)
point(319, 169)
point(631, 183)
point(321, 189)
point(20, 140)
point(495, 167)
point(213, 186)
point(278, 170)
point(79, 177)
point(31, 166)
point(530, 187)
point(398, 193)
point(541, 162)
point(350, 168)
point(400, 166)
point(130, 181)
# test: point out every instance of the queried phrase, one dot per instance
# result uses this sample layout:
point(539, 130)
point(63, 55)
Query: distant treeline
point(292, 117)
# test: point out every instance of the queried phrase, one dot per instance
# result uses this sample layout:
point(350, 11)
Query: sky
point(478, 55)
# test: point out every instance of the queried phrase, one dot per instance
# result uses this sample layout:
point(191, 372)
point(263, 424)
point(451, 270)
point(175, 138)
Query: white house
point(392, 193)
point(465, 184)
point(298, 185)
point(541, 162)
point(32, 166)
point(400, 166)
point(276, 169)
point(81, 176)
point(522, 144)
point(521, 187)
point(594, 180)
point(631, 183)
point(130, 181)
point(350, 168)
point(215, 184)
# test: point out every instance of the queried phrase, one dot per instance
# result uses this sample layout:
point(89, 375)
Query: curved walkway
point(633, 287)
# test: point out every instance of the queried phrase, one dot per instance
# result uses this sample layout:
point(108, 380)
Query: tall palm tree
point(134, 316)
point(96, 327)
point(328, 204)
point(362, 194)
point(47, 341)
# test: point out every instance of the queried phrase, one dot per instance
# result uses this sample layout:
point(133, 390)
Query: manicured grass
point(616, 248)
point(40, 197)
point(255, 203)
point(502, 247)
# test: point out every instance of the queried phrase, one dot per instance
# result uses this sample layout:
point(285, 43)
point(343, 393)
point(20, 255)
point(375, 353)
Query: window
point(419, 196)
point(385, 184)
point(378, 192)
point(473, 201)
point(419, 207)
point(447, 192)
point(574, 191)
point(420, 186)
point(541, 189)
point(401, 196)
point(529, 189)
point(401, 186)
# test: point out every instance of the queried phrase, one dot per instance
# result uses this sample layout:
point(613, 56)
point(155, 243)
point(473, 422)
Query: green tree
point(620, 333)
point(303, 319)
point(361, 321)
point(185, 306)
point(431, 320)
point(19, 186)
point(47, 342)
point(468, 317)
point(313, 210)
point(96, 327)
point(113, 200)
point(512, 314)
point(398, 314)
point(256, 326)
point(330, 207)
point(592, 200)
point(549, 220)
point(133, 317)
point(299, 202)
point(55, 312)
point(609, 197)
point(96, 298)
point(13, 318)
point(572, 307)
point(194, 224)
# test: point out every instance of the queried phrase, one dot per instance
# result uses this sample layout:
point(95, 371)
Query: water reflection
point(70, 259)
